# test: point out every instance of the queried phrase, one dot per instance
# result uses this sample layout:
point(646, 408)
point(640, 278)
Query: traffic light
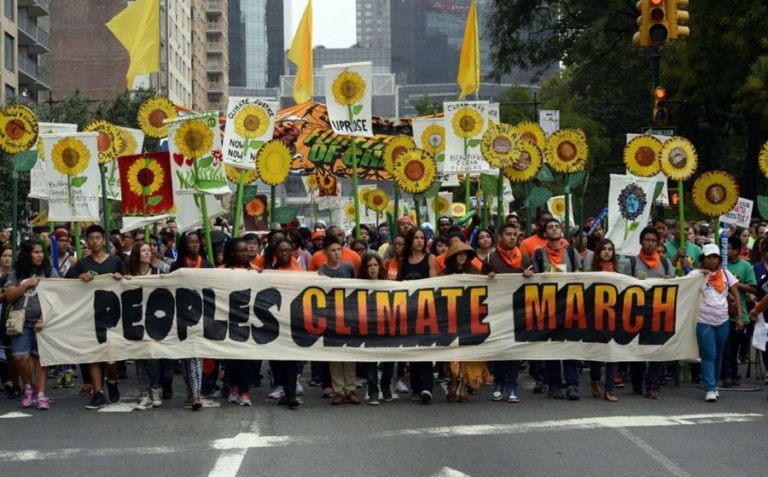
point(653, 27)
point(659, 106)
point(676, 14)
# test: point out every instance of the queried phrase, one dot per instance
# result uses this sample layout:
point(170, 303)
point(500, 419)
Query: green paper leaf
point(545, 174)
point(762, 206)
point(633, 226)
point(489, 184)
point(255, 144)
point(657, 191)
point(79, 181)
point(440, 157)
point(473, 143)
point(284, 214)
point(154, 200)
point(208, 185)
point(356, 109)
point(205, 162)
point(24, 161)
point(467, 218)
point(539, 196)
point(576, 179)
point(249, 193)
point(433, 190)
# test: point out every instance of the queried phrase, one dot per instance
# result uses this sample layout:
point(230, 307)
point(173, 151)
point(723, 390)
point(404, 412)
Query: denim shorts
point(26, 343)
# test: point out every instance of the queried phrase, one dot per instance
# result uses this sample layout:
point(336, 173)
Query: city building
point(373, 23)
point(199, 56)
point(256, 45)
point(217, 54)
point(176, 50)
point(25, 26)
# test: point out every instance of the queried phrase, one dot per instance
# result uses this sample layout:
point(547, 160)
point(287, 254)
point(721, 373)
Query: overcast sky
point(334, 22)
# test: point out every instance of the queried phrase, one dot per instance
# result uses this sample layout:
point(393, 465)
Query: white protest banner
point(629, 207)
point(465, 122)
point(549, 120)
point(740, 215)
point(38, 180)
point(298, 316)
point(195, 146)
point(348, 89)
point(133, 143)
point(73, 177)
point(188, 213)
point(250, 123)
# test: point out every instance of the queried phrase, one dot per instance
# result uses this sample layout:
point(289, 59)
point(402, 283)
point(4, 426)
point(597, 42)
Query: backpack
point(539, 257)
point(633, 265)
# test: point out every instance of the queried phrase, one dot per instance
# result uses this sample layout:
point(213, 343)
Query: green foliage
point(426, 107)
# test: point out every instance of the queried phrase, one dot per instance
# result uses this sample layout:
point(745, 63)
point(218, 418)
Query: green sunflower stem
point(528, 214)
point(146, 233)
point(417, 203)
point(397, 200)
point(499, 200)
point(206, 228)
point(272, 200)
point(107, 211)
point(436, 208)
point(238, 205)
point(485, 204)
point(716, 224)
point(69, 190)
point(567, 225)
point(681, 215)
point(78, 247)
point(355, 180)
point(15, 211)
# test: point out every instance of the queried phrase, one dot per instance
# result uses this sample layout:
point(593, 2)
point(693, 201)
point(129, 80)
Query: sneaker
point(710, 396)
point(618, 381)
point(426, 396)
point(512, 396)
point(352, 398)
point(572, 393)
point(374, 401)
point(327, 393)
point(59, 381)
point(415, 397)
point(556, 393)
point(188, 402)
point(233, 396)
point(244, 399)
point(315, 383)
point(299, 389)
point(113, 390)
point(540, 388)
point(43, 403)
point(276, 393)
point(197, 404)
point(338, 399)
point(155, 395)
point(28, 399)
point(497, 395)
point(400, 387)
point(145, 402)
point(98, 401)
point(69, 379)
point(386, 394)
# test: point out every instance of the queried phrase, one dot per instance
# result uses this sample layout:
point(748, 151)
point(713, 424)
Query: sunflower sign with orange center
point(429, 134)
point(196, 159)
point(250, 124)
point(146, 184)
point(38, 180)
point(132, 142)
point(465, 123)
point(348, 96)
point(73, 177)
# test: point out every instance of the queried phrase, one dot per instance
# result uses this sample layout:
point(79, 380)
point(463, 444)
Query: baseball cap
point(710, 249)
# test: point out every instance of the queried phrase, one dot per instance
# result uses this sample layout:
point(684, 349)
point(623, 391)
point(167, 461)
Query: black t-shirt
point(111, 265)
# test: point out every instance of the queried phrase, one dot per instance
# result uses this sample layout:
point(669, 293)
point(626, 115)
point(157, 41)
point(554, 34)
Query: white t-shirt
point(714, 304)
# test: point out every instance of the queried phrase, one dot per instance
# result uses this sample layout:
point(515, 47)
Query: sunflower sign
point(444, 206)
point(556, 206)
point(195, 146)
point(465, 122)
point(629, 207)
point(429, 134)
point(256, 214)
point(348, 96)
point(18, 129)
point(250, 124)
point(38, 179)
point(73, 177)
point(132, 143)
point(146, 184)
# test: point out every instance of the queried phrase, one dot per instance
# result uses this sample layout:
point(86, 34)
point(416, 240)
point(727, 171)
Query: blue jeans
point(712, 341)
point(555, 376)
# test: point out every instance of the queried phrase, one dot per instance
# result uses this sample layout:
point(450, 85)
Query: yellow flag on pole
point(469, 63)
point(137, 28)
point(300, 54)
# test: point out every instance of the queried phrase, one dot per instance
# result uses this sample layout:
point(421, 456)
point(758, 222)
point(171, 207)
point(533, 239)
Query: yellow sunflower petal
point(145, 177)
point(762, 159)
point(415, 170)
point(458, 209)
point(233, 175)
point(256, 207)
point(567, 151)
point(443, 205)
point(528, 166)
point(273, 162)
point(251, 121)
point(715, 193)
point(365, 194)
point(500, 145)
point(532, 132)
point(70, 156)
point(110, 141)
point(152, 116)
point(130, 146)
point(678, 158)
point(194, 138)
point(396, 146)
point(641, 155)
point(348, 88)
point(18, 129)
point(349, 210)
point(433, 139)
point(467, 122)
point(378, 200)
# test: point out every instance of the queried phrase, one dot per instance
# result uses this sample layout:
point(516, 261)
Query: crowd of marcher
point(733, 295)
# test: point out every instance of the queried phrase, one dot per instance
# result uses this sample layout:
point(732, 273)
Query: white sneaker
point(711, 396)
point(233, 397)
point(401, 387)
point(299, 389)
point(496, 396)
point(512, 397)
point(156, 395)
point(243, 400)
point(276, 393)
point(144, 402)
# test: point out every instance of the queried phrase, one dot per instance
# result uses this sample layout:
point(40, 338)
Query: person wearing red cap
point(67, 256)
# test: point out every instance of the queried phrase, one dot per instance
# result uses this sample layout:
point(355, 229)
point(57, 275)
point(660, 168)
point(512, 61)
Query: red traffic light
point(660, 93)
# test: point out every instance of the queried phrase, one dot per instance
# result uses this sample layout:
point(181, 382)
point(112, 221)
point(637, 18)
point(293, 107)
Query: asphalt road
point(678, 435)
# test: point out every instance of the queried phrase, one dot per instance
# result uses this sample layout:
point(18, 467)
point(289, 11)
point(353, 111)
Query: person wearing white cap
point(712, 325)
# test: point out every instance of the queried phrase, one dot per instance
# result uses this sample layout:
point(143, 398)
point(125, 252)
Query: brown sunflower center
point(677, 158)
point(644, 156)
point(501, 145)
point(252, 122)
point(716, 193)
point(193, 139)
point(377, 199)
point(414, 170)
point(529, 136)
point(157, 117)
point(396, 151)
point(15, 129)
point(70, 157)
point(104, 141)
point(348, 89)
point(523, 163)
point(145, 177)
point(467, 123)
point(566, 151)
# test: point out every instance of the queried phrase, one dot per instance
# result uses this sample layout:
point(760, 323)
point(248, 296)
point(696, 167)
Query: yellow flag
point(137, 28)
point(300, 54)
point(469, 63)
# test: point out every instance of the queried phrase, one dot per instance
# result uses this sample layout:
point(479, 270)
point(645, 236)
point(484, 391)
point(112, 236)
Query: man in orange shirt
point(347, 254)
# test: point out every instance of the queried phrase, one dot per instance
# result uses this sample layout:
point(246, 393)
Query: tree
point(426, 107)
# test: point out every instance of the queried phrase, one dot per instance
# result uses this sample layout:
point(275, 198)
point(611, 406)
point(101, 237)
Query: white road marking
point(448, 472)
point(118, 407)
point(229, 462)
point(654, 453)
point(14, 415)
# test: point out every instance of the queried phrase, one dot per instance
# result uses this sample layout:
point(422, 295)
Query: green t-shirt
point(692, 251)
point(746, 274)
